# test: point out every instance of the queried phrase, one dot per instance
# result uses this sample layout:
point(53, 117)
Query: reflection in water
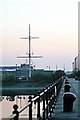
point(7, 103)
point(10, 98)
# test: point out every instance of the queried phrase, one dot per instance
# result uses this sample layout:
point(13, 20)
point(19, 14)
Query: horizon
point(35, 68)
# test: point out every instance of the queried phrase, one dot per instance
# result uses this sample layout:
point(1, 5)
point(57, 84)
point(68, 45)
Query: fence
point(48, 97)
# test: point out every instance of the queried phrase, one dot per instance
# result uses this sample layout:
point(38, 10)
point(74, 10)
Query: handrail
point(48, 97)
point(25, 107)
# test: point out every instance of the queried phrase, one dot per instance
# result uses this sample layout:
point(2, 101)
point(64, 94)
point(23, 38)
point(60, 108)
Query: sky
point(55, 22)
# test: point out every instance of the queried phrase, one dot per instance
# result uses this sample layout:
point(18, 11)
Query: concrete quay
point(58, 113)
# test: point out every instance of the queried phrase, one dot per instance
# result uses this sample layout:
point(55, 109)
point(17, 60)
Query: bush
point(46, 77)
point(8, 78)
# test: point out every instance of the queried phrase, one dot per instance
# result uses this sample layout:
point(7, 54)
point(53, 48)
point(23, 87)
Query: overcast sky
point(55, 22)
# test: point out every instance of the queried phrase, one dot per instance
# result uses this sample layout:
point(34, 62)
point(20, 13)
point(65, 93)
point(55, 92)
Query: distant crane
point(30, 55)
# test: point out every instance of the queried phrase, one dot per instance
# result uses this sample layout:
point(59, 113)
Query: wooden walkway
point(58, 113)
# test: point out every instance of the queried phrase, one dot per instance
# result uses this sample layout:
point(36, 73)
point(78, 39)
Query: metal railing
point(48, 97)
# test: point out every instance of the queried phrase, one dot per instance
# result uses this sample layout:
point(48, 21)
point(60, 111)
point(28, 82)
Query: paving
point(58, 113)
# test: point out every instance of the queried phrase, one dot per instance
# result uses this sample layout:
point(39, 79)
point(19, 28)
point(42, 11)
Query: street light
point(78, 60)
point(56, 67)
point(75, 63)
point(48, 67)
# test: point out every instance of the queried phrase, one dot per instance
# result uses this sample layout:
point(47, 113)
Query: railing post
point(44, 105)
point(30, 108)
point(38, 106)
point(49, 99)
point(47, 103)
point(49, 92)
point(15, 107)
point(53, 97)
point(55, 94)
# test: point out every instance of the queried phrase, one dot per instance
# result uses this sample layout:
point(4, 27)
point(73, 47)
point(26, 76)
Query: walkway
point(58, 113)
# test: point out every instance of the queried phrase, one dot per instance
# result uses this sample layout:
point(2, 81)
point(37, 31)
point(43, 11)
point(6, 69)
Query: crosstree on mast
point(30, 54)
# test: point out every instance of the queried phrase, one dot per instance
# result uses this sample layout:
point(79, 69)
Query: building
point(79, 36)
point(76, 62)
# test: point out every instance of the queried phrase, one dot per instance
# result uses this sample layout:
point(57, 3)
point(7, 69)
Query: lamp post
point(56, 67)
point(75, 63)
point(78, 60)
point(48, 67)
point(16, 71)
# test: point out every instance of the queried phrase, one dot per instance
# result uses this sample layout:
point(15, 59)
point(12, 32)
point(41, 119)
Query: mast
point(29, 54)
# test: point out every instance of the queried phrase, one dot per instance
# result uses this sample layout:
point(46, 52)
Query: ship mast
point(29, 54)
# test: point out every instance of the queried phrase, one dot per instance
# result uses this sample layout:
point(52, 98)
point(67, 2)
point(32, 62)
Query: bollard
point(67, 87)
point(15, 107)
point(68, 100)
point(66, 82)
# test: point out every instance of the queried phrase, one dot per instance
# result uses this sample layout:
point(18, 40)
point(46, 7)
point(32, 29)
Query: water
point(7, 102)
